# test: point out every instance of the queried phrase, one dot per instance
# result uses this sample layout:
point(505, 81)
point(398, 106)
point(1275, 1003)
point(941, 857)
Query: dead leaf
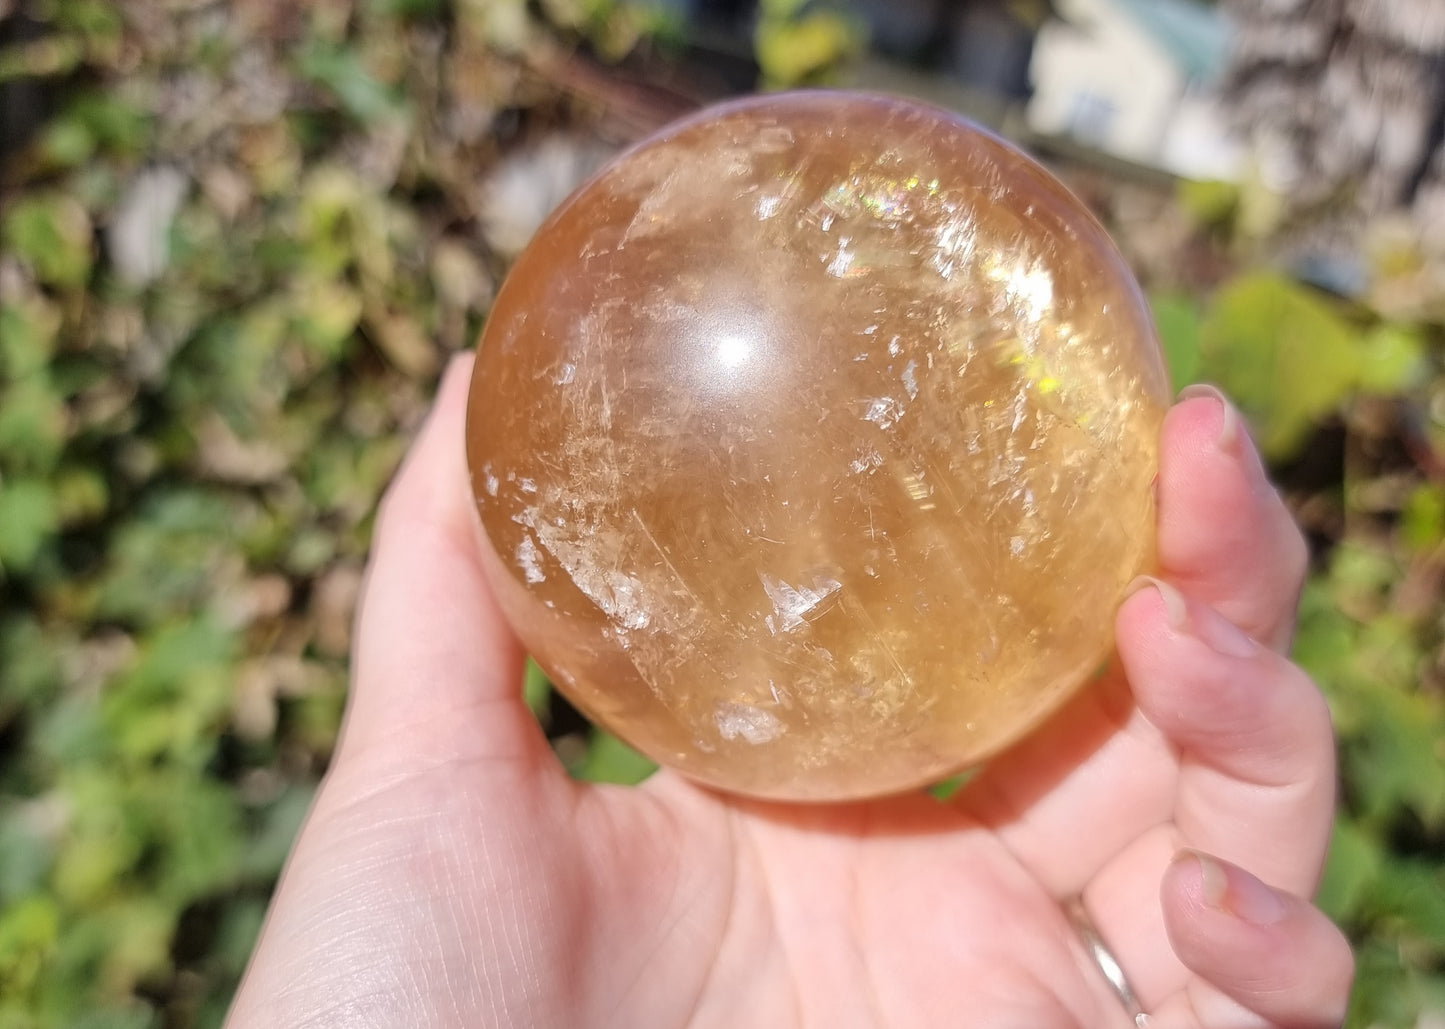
point(226, 456)
point(402, 341)
point(333, 607)
point(261, 681)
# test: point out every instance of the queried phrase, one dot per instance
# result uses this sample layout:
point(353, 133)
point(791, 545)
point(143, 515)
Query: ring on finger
point(1105, 960)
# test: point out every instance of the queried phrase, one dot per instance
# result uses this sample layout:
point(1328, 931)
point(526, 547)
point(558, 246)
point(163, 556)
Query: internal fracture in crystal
point(812, 442)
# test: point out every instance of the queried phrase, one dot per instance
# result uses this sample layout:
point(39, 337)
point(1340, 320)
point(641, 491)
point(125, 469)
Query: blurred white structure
point(1136, 79)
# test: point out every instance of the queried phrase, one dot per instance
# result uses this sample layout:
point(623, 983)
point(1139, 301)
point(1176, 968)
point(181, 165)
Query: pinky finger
point(1263, 957)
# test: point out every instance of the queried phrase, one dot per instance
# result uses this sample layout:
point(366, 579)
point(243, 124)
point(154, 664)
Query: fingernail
point(1236, 892)
point(1176, 609)
point(1229, 425)
point(1213, 629)
point(1222, 635)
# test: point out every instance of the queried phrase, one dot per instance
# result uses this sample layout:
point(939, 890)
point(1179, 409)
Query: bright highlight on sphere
point(812, 441)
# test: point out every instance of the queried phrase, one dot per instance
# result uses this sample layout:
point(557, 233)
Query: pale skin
point(451, 874)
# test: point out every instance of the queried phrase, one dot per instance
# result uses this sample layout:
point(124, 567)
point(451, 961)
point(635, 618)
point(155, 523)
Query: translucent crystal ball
point(813, 442)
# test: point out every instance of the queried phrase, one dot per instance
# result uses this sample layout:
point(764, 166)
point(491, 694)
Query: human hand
point(451, 874)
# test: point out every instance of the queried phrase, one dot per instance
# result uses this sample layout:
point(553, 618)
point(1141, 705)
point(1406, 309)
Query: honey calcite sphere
point(813, 442)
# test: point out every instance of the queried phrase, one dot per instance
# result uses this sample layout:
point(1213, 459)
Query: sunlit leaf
point(1208, 202)
point(608, 759)
point(1177, 318)
point(29, 927)
point(1393, 358)
point(794, 51)
point(1422, 525)
point(326, 314)
point(105, 837)
point(1285, 356)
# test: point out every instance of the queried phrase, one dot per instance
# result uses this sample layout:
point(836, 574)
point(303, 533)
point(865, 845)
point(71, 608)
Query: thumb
point(436, 671)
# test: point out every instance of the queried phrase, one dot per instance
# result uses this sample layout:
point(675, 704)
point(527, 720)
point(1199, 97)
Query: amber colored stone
point(813, 440)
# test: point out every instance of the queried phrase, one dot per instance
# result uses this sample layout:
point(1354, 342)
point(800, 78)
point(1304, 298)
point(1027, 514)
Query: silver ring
point(1104, 958)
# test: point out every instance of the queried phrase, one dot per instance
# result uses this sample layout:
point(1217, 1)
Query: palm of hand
point(452, 875)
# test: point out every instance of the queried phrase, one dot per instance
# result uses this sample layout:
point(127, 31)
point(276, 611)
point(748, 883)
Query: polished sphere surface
point(813, 442)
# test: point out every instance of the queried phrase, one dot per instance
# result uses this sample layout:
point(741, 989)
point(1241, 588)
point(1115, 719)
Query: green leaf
point(105, 839)
point(280, 824)
point(1284, 355)
point(67, 142)
point(29, 326)
point(131, 1015)
point(31, 658)
point(948, 788)
point(51, 233)
point(1393, 358)
point(29, 929)
point(418, 9)
point(342, 72)
point(792, 51)
point(1395, 764)
point(69, 732)
point(33, 424)
point(114, 121)
point(164, 560)
point(1209, 202)
point(610, 760)
point(781, 9)
point(197, 837)
point(1422, 523)
point(81, 495)
point(96, 20)
point(1412, 899)
point(1385, 995)
point(537, 689)
point(1355, 862)
point(172, 701)
point(140, 930)
point(1177, 318)
point(51, 55)
point(29, 517)
point(95, 123)
point(326, 315)
point(25, 853)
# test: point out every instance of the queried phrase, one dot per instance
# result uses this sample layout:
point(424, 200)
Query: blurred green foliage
point(232, 261)
point(1347, 400)
point(799, 44)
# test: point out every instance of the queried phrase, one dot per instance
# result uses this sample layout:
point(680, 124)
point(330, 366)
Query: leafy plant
point(232, 262)
point(801, 45)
